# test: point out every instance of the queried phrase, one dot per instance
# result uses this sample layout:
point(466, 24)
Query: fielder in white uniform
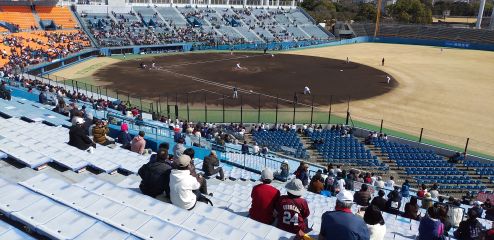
point(306, 90)
point(388, 79)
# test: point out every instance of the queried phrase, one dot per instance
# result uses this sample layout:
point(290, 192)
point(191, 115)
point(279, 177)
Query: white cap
point(344, 196)
point(79, 120)
point(267, 174)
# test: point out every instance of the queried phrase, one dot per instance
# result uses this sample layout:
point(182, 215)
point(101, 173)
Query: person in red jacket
point(264, 197)
point(292, 210)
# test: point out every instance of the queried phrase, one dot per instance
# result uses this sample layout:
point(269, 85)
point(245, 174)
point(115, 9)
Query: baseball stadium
point(253, 119)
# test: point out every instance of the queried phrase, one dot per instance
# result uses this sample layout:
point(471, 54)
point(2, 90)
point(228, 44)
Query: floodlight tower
point(481, 13)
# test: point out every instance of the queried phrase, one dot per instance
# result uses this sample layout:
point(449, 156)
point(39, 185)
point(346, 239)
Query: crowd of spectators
point(128, 29)
point(37, 47)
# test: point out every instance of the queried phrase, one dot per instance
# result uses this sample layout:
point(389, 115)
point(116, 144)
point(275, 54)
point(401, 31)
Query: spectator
point(99, 133)
point(434, 192)
point(192, 169)
point(88, 124)
point(340, 182)
point(138, 144)
point(78, 139)
point(487, 204)
point(264, 150)
point(405, 189)
point(341, 224)
point(256, 150)
point(380, 201)
point(316, 184)
point(394, 201)
point(423, 190)
point(390, 183)
point(430, 227)
point(375, 223)
point(245, 148)
point(183, 185)
point(284, 172)
point(43, 99)
point(179, 148)
point(4, 92)
point(156, 175)
point(412, 209)
point(470, 229)
point(165, 146)
point(302, 173)
point(379, 183)
point(124, 137)
point(427, 201)
point(455, 212)
point(209, 164)
point(264, 197)
point(292, 210)
point(363, 196)
point(476, 207)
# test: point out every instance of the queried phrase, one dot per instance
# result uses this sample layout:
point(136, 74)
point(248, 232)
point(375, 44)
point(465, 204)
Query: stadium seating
point(18, 15)
point(36, 144)
point(60, 15)
point(280, 140)
point(12, 233)
point(466, 35)
point(76, 208)
point(199, 24)
point(339, 149)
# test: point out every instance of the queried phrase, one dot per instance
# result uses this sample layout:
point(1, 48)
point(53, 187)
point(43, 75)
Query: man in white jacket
point(182, 184)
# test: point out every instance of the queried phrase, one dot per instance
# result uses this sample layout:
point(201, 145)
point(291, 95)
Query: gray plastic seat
point(90, 183)
point(129, 219)
point(199, 224)
point(17, 199)
point(157, 229)
point(39, 212)
point(256, 228)
point(103, 209)
point(226, 232)
point(68, 225)
point(102, 231)
point(188, 235)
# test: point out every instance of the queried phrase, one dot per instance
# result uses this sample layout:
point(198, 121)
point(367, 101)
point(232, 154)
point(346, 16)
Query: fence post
point(167, 107)
point(223, 108)
point(312, 110)
point(421, 132)
point(466, 146)
point(294, 107)
point(276, 113)
point(188, 115)
point(381, 129)
point(241, 111)
point(140, 103)
point(85, 87)
point(330, 105)
point(205, 108)
point(117, 94)
point(259, 109)
point(106, 93)
point(92, 94)
point(76, 86)
point(347, 117)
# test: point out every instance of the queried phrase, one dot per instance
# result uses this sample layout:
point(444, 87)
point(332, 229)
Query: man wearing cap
point(78, 138)
point(179, 148)
point(264, 197)
point(342, 224)
point(292, 210)
point(183, 185)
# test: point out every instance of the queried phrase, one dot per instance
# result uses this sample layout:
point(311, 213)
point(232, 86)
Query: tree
point(366, 12)
point(411, 11)
point(320, 10)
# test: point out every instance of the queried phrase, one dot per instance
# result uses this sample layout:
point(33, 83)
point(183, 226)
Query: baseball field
point(447, 92)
